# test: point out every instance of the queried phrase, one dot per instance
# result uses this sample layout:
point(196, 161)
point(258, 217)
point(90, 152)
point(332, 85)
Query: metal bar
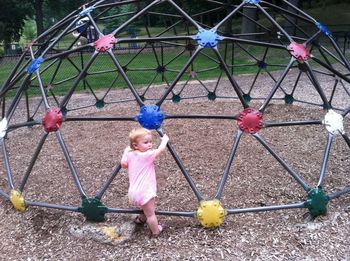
point(289, 12)
point(345, 88)
point(253, 42)
point(312, 38)
point(331, 69)
point(230, 78)
point(66, 53)
point(48, 205)
point(340, 53)
point(92, 20)
point(254, 81)
point(228, 165)
point(24, 124)
point(124, 210)
point(325, 160)
point(149, 85)
point(43, 94)
point(229, 16)
point(122, 72)
point(27, 106)
point(70, 164)
point(7, 165)
point(12, 73)
point(274, 23)
point(199, 116)
point(65, 80)
point(10, 85)
point(49, 66)
point(299, 10)
point(58, 38)
point(3, 106)
point(108, 182)
point(176, 213)
point(211, 11)
point(282, 162)
point(2, 193)
point(189, 18)
point(117, 15)
point(292, 123)
point(177, 78)
point(317, 85)
point(56, 26)
point(339, 193)
point(296, 82)
point(126, 23)
point(185, 173)
point(114, 118)
point(136, 55)
point(77, 80)
point(278, 83)
point(16, 99)
point(346, 111)
point(116, 3)
point(259, 25)
point(322, 48)
point(32, 161)
point(267, 208)
point(158, 39)
point(158, 212)
point(346, 138)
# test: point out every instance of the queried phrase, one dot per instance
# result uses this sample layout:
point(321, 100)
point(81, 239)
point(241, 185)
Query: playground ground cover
point(256, 179)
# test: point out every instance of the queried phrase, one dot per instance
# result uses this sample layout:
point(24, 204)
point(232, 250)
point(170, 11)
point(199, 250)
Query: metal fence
point(341, 34)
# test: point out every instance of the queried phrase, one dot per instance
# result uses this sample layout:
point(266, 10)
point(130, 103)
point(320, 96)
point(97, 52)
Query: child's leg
point(149, 211)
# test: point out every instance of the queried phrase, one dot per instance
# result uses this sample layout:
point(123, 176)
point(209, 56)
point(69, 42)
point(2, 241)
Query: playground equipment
point(281, 41)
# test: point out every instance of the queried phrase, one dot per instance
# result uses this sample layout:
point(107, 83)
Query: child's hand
point(162, 146)
point(123, 161)
point(165, 138)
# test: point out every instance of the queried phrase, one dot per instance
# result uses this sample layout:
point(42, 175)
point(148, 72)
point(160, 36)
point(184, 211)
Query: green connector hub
point(317, 201)
point(93, 209)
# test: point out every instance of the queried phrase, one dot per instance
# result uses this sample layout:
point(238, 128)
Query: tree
point(12, 18)
point(56, 8)
point(37, 6)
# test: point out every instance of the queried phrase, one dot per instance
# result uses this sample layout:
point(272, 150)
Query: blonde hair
point(136, 134)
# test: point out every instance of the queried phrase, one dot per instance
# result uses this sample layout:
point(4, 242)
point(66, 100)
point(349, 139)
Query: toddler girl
point(139, 158)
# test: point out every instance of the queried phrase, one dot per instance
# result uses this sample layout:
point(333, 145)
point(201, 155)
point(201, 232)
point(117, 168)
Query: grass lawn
point(152, 68)
point(143, 69)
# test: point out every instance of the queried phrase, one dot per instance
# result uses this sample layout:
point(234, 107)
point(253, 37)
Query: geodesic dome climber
point(187, 58)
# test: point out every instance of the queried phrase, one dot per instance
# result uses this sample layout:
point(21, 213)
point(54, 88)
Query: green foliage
point(12, 18)
point(29, 31)
point(55, 10)
point(337, 14)
point(118, 19)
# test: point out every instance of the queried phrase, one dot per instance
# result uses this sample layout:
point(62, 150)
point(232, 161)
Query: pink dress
point(142, 176)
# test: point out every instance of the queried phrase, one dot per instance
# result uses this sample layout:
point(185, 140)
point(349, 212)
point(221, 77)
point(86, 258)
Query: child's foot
point(161, 227)
point(140, 220)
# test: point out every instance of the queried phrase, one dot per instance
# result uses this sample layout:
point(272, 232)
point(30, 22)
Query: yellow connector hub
point(210, 213)
point(17, 200)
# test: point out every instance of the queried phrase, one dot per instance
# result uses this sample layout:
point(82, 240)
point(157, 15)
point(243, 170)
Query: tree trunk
point(248, 26)
point(39, 17)
point(290, 25)
point(228, 26)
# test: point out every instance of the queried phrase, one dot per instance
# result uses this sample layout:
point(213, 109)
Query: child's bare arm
point(123, 161)
point(162, 146)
